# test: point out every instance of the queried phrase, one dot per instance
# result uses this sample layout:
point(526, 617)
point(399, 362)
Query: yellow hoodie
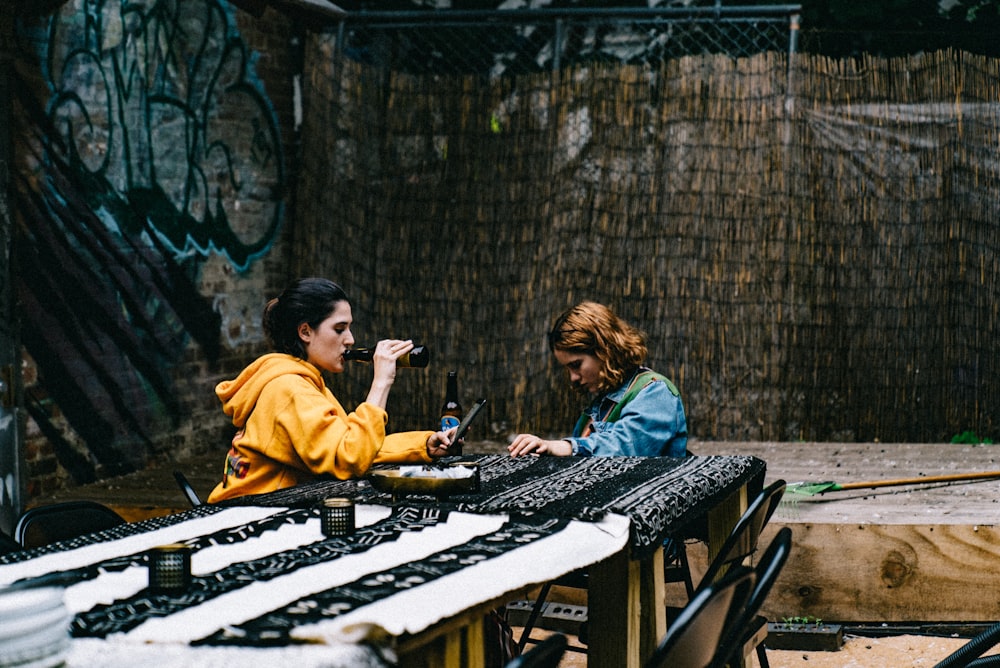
point(292, 428)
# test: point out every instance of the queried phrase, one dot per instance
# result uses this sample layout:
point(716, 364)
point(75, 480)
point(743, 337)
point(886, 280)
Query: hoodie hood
point(240, 395)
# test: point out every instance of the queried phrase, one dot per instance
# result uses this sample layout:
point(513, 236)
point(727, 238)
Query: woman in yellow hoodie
point(290, 427)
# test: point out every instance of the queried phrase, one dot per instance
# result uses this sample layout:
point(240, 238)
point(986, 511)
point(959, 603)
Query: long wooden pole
point(951, 477)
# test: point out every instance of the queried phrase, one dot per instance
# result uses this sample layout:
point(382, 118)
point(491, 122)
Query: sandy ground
point(858, 652)
point(907, 651)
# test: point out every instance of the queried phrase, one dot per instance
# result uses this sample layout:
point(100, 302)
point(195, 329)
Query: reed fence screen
point(810, 244)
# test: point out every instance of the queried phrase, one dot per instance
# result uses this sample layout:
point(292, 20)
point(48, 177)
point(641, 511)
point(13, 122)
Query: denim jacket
point(650, 425)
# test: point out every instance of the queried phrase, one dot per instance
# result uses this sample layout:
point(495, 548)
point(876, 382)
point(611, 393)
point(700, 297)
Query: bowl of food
point(440, 481)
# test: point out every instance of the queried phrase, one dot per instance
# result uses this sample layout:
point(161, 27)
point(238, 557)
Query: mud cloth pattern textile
point(659, 495)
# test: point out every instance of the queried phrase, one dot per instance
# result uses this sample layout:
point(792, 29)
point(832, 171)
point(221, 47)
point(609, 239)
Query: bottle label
point(448, 421)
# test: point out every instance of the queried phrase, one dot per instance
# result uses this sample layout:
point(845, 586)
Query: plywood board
point(917, 553)
point(968, 503)
point(889, 573)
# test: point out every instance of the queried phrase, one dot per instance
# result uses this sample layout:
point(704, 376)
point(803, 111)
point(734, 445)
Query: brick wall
point(146, 250)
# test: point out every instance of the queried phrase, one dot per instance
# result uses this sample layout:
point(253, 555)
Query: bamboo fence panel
point(824, 270)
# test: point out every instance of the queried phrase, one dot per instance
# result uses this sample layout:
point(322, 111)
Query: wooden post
point(614, 612)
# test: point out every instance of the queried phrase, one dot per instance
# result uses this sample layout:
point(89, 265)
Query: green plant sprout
point(970, 436)
point(807, 620)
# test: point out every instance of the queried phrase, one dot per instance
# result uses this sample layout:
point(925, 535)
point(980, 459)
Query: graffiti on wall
point(155, 100)
point(159, 149)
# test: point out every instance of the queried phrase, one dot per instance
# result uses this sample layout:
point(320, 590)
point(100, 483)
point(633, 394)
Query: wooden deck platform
point(915, 553)
point(149, 493)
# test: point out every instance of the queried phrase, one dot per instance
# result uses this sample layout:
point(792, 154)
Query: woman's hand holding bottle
point(384, 359)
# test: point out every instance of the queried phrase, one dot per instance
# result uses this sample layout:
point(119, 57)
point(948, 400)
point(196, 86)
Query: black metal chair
point(576, 580)
point(695, 637)
point(749, 631)
point(676, 567)
point(42, 525)
point(546, 654)
point(742, 541)
point(8, 544)
point(192, 496)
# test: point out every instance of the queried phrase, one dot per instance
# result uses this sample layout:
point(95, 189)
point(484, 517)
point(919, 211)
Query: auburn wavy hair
point(594, 329)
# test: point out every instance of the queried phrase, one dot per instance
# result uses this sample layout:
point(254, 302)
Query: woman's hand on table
point(439, 442)
point(529, 444)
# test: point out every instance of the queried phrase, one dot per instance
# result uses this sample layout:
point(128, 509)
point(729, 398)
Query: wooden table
point(417, 577)
point(661, 497)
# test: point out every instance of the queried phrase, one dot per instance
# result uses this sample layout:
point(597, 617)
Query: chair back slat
point(768, 568)
point(693, 640)
point(743, 539)
point(43, 525)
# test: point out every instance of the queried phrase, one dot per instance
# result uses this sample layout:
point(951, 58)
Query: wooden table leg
point(723, 517)
point(653, 594)
point(626, 606)
point(475, 645)
point(721, 520)
point(461, 647)
point(614, 613)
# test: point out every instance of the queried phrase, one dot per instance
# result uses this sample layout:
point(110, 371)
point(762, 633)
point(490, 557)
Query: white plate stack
point(34, 627)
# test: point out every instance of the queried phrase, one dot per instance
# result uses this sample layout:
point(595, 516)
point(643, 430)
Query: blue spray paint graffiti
point(156, 101)
point(159, 149)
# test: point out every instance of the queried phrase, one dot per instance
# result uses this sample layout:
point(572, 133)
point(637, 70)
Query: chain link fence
point(513, 42)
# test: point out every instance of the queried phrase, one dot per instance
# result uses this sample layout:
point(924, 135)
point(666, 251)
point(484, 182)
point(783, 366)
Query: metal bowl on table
point(426, 480)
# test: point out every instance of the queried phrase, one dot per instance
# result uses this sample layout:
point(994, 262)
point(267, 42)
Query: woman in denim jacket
point(632, 410)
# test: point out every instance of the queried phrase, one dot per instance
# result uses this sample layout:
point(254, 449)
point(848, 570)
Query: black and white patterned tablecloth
point(267, 576)
point(661, 496)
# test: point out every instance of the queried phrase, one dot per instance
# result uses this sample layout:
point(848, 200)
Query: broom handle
point(915, 481)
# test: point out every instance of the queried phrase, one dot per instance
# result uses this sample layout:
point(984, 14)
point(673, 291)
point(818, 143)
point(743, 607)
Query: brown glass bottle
point(451, 409)
point(418, 357)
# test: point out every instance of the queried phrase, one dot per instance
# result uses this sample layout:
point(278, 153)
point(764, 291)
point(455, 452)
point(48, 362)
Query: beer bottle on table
point(451, 409)
point(418, 357)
